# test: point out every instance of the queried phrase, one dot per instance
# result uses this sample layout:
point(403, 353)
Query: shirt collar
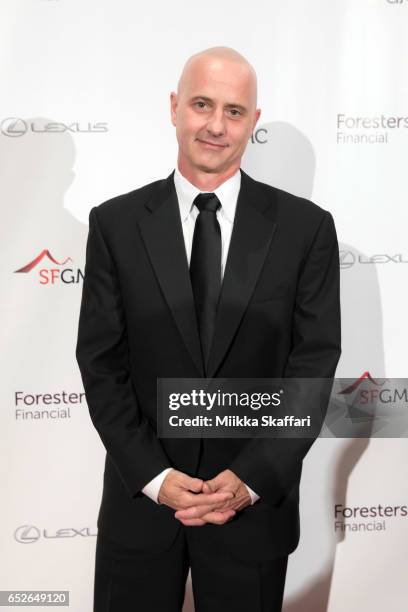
point(227, 193)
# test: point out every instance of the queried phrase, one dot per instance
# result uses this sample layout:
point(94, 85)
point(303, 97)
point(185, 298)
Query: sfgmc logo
point(53, 275)
point(374, 392)
point(363, 395)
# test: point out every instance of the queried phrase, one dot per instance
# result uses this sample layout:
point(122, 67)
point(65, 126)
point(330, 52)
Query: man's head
point(214, 111)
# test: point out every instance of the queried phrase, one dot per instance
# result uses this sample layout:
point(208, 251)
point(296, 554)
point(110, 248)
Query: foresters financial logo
point(46, 406)
point(367, 518)
point(60, 272)
point(375, 129)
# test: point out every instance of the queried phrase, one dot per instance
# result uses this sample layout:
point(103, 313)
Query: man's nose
point(216, 123)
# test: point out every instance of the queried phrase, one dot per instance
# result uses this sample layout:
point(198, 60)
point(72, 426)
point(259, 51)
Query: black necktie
point(205, 267)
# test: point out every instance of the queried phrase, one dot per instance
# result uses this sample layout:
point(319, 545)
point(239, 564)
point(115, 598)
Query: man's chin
point(210, 168)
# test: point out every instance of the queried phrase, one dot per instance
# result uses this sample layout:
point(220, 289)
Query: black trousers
point(128, 580)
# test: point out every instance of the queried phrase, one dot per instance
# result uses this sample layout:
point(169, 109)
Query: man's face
point(214, 114)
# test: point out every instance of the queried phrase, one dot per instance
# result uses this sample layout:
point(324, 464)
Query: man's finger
point(193, 522)
point(218, 518)
point(207, 487)
point(218, 482)
point(210, 499)
point(193, 512)
point(193, 484)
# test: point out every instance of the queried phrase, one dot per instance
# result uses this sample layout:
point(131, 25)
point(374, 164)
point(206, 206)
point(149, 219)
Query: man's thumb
point(207, 486)
point(195, 485)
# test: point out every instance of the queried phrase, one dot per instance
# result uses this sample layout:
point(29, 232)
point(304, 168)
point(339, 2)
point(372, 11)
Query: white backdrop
point(84, 114)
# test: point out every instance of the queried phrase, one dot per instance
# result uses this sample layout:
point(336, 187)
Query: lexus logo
point(347, 259)
point(13, 126)
point(27, 534)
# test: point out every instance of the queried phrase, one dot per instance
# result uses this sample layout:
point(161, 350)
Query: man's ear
point(257, 115)
point(173, 107)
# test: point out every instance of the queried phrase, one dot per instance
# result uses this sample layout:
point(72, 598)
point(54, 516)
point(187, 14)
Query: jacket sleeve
point(103, 358)
point(271, 466)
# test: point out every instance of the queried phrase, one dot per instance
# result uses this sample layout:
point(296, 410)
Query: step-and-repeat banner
point(84, 115)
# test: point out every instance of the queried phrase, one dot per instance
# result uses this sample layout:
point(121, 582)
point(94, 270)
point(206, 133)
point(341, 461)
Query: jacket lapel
point(163, 237)
point(252, 233)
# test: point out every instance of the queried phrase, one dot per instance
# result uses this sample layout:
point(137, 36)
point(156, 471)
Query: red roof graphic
point(34, 262)
point(357, 383)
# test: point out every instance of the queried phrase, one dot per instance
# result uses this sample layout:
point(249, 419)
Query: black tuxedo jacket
point(278, 316)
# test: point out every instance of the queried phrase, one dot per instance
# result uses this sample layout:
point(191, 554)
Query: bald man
point(206, 273)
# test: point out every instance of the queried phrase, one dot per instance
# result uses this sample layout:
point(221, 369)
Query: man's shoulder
point(290, 206)
point(131, 203)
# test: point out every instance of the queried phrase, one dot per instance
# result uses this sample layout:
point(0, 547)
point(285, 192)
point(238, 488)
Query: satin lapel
point(252, 234)
point(162, 234)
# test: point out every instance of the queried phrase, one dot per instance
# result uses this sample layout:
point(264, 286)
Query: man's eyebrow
point(230, 105)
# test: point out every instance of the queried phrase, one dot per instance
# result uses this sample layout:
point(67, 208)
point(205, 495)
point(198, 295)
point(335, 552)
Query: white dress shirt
point(227, 193)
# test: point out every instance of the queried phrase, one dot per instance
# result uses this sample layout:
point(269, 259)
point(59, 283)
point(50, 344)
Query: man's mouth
point(211, 145)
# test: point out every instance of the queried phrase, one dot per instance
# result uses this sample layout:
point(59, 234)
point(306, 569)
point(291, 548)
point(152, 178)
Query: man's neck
point(206, 181)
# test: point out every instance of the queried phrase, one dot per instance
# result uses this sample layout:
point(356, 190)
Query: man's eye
point(235, 112)
point(201, 102)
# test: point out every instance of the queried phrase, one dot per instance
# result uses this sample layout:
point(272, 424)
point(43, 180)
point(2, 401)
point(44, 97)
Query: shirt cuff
point(152, 488)
point(254, 496)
